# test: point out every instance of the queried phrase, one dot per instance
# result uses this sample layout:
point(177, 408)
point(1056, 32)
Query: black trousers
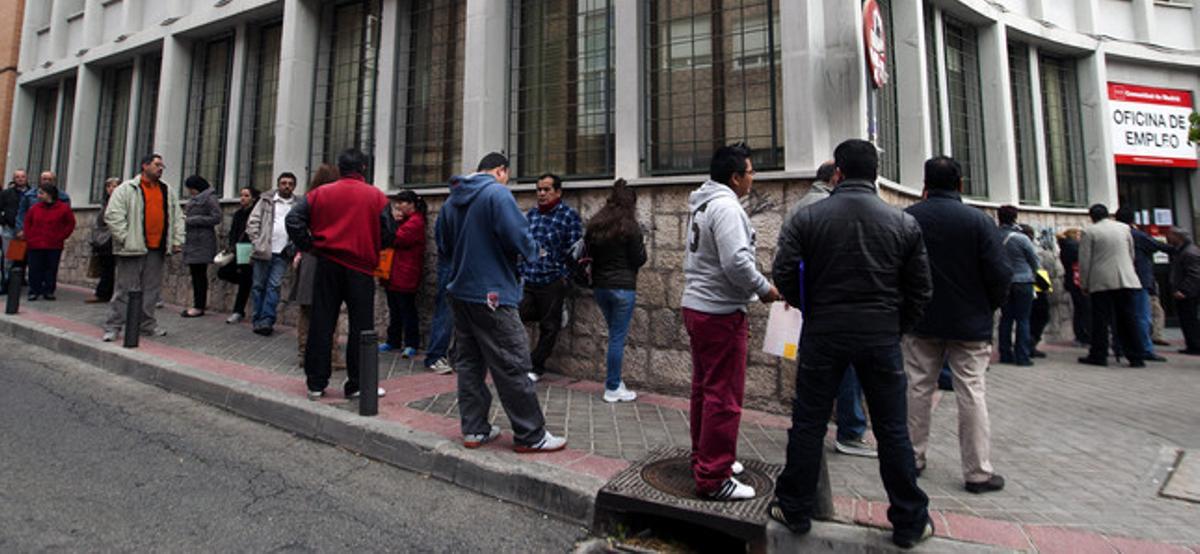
point(1039, 317)
point(199, 285)
point(245, 274)
point(404, 327)
point(43, 270)
point(333, 285)
point(1081, 316)
point(108, 276)
point(1189, 322)
point(544, 304)
point(1115, 306)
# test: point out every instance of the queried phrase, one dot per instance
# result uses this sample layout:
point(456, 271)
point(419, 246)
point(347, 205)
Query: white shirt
point(279, 236)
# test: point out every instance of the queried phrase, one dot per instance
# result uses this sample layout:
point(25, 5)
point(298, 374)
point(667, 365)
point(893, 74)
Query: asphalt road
point(90, 461)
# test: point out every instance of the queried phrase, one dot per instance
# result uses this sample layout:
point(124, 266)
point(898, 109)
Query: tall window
point(64, 133)
point(147, 112)
point(563, 88)
point(1026, 141)
point(347, 64)
point(1064, 132)
point(887, 123)
point(934, 81)
point(258, 108)
point(713, 73)
point(41, 146)
point(208, 110)
point(111, 128)
point(966, 104)
point(428, 144)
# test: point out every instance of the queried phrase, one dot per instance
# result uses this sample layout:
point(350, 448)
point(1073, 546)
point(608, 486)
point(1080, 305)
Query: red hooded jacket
point(48, 226)
point(409, 259)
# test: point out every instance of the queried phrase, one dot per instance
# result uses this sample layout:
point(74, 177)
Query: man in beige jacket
point(1107, 275)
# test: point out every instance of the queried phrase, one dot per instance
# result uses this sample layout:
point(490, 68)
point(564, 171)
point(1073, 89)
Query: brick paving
point(1084, 449)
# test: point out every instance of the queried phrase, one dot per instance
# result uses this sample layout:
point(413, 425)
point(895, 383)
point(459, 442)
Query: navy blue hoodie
point(482, 234)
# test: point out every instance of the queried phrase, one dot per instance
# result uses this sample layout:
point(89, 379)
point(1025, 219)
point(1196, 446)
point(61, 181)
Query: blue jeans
point(851, 421)
point(441, 328)
point(617, 307)
point(1016, 312)
point(268, 277)
point(1145, 320)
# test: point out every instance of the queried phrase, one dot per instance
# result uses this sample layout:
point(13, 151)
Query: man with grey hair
point(10, 204)
point(1185, 281)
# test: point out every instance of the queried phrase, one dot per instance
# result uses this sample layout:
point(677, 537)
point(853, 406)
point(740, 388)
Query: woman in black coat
point(247, 197)
point(202, 216)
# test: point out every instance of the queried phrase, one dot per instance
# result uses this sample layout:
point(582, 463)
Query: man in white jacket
point(721, 278)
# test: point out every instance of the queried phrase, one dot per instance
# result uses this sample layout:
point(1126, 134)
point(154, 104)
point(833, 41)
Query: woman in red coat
point(407, 264)
point(48, 224)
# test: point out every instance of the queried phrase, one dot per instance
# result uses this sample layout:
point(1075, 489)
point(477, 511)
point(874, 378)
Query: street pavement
point(1084, 449)
point(96, 462)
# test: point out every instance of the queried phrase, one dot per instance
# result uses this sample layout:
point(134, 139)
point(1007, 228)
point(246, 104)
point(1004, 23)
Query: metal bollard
point(133, 318)
point(368, 373)
point(16, 280)
point(823, 511)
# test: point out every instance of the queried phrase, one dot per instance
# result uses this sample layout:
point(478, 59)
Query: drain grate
point(661, 485)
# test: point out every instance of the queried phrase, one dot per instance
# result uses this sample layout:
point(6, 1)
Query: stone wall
point(656, 355)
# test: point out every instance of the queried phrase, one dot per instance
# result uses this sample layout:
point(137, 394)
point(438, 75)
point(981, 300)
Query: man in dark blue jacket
point(1144, 248)
point(971, 278)
point(482, 234)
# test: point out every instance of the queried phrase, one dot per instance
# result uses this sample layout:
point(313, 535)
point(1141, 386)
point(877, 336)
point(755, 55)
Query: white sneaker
point(109, 336)
point(533, 376)
point(621, 394)
point(549, 443)
point(441, 367)
point(382, 393)
point(155, 332)
point(475, 440)
point(233, 318)
point(732, 489)
point(316, 394)
point(737, 467)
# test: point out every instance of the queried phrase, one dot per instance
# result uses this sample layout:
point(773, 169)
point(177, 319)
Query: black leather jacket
point(615, 264)
point(10, 203)
point(865, 271)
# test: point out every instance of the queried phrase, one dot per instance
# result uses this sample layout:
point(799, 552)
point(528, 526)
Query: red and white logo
point(1150, 126)
point(875, 38)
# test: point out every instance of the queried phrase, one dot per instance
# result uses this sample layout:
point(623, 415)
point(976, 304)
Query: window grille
point(41, 146)
point(64, 135)
point(1064, 131)
point(712, 79)
point(208, 110)
point(428, 148)
point(934, 81)
point(256, 166)
point(1024, 133)
point(563, 76)
point(966, 104)
point(887, 122)
point(347, 64)
point(111, 128)
point(147, 114)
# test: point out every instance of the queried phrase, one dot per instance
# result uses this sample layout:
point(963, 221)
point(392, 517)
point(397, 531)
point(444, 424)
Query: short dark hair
point(196, 183)
point(149, 158)
point(826, 171)
point(492, 161)
point(728, 161)
point(857, 159)
point(288, 175)
point(1007, 214)
point(1125, 215)
point(51, 190)
point(555, 180)
point(1098, 212)
point(352, 160)
point(942, 173)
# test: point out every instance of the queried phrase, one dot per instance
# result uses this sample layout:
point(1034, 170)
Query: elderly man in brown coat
point(1107, 275)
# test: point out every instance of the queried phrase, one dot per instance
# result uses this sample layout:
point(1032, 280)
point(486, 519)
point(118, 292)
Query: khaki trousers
point(923, 359)
point(1160, 318)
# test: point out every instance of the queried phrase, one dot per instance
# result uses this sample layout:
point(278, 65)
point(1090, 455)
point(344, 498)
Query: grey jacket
point(202, 215)
point(262, 224)
point(1022, 256)
point(719, 264)
point(818, 192)
point(1106, 258)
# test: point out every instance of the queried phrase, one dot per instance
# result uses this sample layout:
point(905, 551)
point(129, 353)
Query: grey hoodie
point(719, 265)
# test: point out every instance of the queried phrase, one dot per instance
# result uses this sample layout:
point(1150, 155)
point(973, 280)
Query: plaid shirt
point(555, 232)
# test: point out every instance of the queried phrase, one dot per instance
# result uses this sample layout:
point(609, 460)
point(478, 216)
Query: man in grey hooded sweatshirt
point(720, 280)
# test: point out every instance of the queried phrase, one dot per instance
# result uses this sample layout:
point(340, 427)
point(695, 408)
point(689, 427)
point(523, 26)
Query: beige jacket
point(261, 224)
point(1106, 258)
point(126, 219)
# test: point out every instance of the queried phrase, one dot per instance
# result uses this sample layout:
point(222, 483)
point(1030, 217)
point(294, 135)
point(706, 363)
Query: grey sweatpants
point(496, 341)
point(135, 273)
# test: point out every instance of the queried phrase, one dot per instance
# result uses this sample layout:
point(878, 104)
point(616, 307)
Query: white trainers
point(621, 394)
point(441, 367)
point(233, 318)
point(549, 443)
point(155, 332)
point(475, 440)
point(533, 376)
point(731, 490)
point(109, 336)
point(316, 394)
point(737, 467)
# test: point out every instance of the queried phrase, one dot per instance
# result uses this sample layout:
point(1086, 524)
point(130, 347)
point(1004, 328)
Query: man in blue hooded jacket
point(482, 235)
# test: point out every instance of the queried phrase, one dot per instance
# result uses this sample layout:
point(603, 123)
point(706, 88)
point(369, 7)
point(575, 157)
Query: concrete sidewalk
point(1084, 449)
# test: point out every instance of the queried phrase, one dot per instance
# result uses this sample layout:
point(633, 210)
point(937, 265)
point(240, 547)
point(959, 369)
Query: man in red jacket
point(345, 224)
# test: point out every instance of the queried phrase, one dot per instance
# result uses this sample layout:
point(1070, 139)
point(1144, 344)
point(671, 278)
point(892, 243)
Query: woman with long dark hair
point(614, 242)
point(404, 332)
point(247, 198)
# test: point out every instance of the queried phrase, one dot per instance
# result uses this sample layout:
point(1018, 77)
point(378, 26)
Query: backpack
point(579, 263)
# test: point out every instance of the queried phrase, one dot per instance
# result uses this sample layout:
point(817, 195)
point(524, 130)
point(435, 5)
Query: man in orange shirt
point(147, 226)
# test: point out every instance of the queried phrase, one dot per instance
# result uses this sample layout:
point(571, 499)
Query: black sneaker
point(776, 512)
point(1090, 361)
point(993, 484)
point(1137, 363)
point(909, 542)
point(1155, 358)
point(264, 331)
point(1037, 354)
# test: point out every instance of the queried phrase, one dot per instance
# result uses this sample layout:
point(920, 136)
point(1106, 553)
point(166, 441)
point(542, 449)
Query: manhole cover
point(1184, 482)
point(674, 476)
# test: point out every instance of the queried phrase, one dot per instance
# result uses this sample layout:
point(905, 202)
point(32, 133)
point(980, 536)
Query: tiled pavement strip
point(1084, 449)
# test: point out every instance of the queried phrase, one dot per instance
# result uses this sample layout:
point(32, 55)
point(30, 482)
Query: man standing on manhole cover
point(858, 269)
point(720, 280)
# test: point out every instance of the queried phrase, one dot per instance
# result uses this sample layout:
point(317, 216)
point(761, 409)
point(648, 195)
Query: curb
point(853, 539)
point(542, 487)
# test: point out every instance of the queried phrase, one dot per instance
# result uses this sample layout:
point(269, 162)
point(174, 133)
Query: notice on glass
point(783, 331)
point(1162, 217)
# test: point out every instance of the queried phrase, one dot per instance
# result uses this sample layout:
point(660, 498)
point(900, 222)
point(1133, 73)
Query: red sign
point(875, 38)
point(1150, 126)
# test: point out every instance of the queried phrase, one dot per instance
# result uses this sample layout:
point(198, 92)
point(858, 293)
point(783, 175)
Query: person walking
point(615, 244)
point(345, 224)
point(273, 250)
point(1144, 248)
point(556, 227)
point(147, 226)
point(971, 277)
point(408, 263)
point(1024, 263)
point(48, 225)
point(857, 267)
point(201, 217)
point(720, 280)
point(243, 273)
point(102, 249)
point(305, 265)
point(481, 233)
point(1185, 284)
point(1107, 275)
point(10, 203)
point(1081, 306)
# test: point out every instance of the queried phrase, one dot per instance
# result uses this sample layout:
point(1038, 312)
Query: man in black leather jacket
point(857, 268)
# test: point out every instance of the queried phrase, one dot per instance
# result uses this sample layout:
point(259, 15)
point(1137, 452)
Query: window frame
point(252, 144)
point(107, 128)
point(198, 89)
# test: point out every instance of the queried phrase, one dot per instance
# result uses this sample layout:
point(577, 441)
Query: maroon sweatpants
point(718, 382)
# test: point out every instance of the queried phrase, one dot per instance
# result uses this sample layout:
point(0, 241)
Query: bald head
point(20, 178)
point(47, 178)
